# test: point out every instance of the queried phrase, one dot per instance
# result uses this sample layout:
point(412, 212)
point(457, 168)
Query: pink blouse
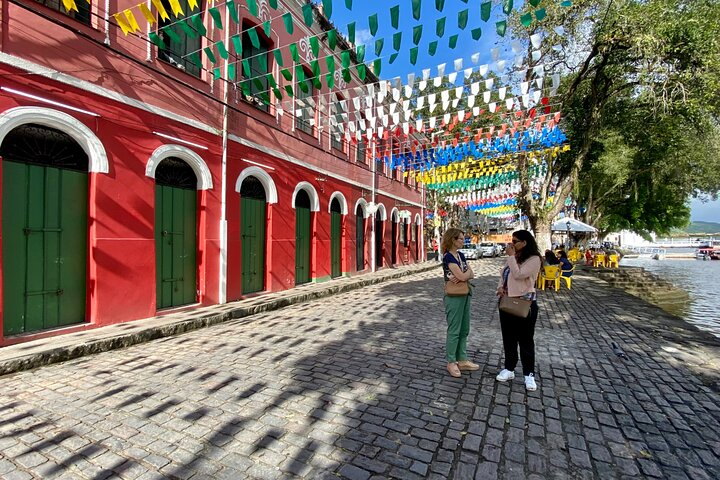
point(522, 278)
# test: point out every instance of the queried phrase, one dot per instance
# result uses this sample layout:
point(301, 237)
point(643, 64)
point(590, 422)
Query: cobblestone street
point(354, 386)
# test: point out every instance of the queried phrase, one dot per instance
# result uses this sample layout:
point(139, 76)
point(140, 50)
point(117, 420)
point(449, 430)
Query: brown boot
point(468, 365)
point(453, 370)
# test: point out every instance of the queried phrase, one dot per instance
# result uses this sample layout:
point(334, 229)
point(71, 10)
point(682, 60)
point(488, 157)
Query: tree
point(655, 58)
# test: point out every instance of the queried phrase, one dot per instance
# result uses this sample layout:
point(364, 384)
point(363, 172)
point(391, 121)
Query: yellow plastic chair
point(613, 261)
point(550, 275)
point(599, 260)
point(568, 280)
point(574, 255)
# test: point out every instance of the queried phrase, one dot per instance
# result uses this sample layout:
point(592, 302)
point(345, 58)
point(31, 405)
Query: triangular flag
point(452, 41)
point(351, 32)
point(397, 40)
point(417, 33)
point(174, 37)
point(254, 39)
point(147, 13)
point(278, 57)
point(327, 8)
point(348, 4)
point(273, 4)
point(210, 54)
point(362, 72)
point(526, 19)
point(176, 8)
point(416, 9)
point(223, 51)
point(432, 47)
point(198, 23)
point(155, 38)
point(332, 39)
point(501, 27)
point(161, 9)
point(252, 7)
point(463, 19)
point(395, 16)
point(286, 73)
point(476, 33)
point(266, 28)
point(308, 14)
point(439, 5)
point(131, 20)
point(540, 14)
point(377, 66)
point(237, 44)
point(294, 52)
point(121, 21)
point(287, 19)
point(507, 7)
point(187, 29)
point(413, 55)
point(373, 23)
point(379, 46)
point(70, 6)
point(315, 46)
point(485, 11)
point(215, 14)
point(440, 27)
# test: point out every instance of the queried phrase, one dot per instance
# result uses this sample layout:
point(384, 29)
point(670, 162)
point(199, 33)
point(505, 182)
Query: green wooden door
point(252, 232)
point(175, 245)
point(302, 238)
point(44, 247)
point(335, 244)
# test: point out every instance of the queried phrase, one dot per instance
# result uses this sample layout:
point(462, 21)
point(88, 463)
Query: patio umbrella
point(576, 226)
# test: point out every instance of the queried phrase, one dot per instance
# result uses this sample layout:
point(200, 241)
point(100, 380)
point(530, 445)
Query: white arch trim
point(361, 201)
point(310, 190)
point(263, 177)
point(202, 172)
point(395, 215)
point(341, 199)
point(90, 143)
point(417, 219)
point(383, 212)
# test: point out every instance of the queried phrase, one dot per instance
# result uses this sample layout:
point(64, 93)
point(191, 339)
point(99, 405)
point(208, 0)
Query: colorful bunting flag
point(315, 46)
point(287, 19)
point(379, 46)
point(413, 55)
point(237, 43)
point(122, 22)
point(417, 33)
point(161, 9)
point(351, 32)
point(232, 10)
point(416, 9)
point(377, 66)
point(278, 57)
point(308, 14)
point(147, 13)
point(222, 50)
point(252, 7)
point(332, 39)
point(501, 27)
point(432, 48)
point(526, 19)
point(210, 54)
point(439, 5)
point(395, 16)
point(463, 19)
point(254, 39)
point(440, 27)
point(198, 24)
point(476, 33)
point(327, 8)
point(176, 8)
point(540, 14)
point(452, 43)
point(215, 14)
point(507, 7)
point(485, 8)
point(373, 24)
point(397, 40)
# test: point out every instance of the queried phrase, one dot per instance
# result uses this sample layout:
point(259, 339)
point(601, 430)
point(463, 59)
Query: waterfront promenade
point(353, 385)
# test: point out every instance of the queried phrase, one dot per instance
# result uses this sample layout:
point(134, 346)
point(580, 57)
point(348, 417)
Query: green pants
point(457, 312)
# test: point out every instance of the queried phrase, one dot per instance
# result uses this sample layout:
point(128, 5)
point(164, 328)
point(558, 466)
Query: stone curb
point(146, 333)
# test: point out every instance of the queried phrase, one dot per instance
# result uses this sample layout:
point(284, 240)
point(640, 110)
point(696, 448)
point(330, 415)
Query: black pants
point(519, 331)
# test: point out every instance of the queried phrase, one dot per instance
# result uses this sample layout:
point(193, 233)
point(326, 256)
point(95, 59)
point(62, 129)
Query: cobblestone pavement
point(354, 386)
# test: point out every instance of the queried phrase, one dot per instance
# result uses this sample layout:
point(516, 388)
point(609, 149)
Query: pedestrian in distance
point(565, 265)
point(457, 307)
point(517, 279)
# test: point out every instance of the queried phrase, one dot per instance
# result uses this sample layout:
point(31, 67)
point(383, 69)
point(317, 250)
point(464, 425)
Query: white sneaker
point(505, 375)
point(530, 384)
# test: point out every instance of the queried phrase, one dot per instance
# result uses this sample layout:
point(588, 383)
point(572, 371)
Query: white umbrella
point(572, 225)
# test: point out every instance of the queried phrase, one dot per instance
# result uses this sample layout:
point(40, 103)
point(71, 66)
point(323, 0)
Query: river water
point(701, 279)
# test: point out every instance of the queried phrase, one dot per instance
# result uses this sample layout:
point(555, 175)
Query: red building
point(135, 181)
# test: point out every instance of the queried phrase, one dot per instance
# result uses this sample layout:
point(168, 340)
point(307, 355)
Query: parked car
point(487, 249)
point(471, 252)
point(499, 249)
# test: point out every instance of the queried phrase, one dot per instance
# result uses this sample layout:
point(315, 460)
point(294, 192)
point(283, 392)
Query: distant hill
point(703, 227)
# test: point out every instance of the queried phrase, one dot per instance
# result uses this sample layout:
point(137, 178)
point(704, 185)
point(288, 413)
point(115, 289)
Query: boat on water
point(708, 253)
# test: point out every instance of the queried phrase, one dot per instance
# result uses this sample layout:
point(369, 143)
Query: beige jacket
point(522, 278)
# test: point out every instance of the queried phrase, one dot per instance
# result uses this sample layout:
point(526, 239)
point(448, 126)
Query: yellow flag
point(70, 5)
point(120, 19)
point(131, 20)
point(192, 4)
point(176, 8)
point(161, 10)
point(147, 13)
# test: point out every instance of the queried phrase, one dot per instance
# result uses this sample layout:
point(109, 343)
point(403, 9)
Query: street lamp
point(568, 234)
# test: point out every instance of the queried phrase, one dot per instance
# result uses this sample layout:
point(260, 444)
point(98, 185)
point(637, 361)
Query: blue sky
point(705, 212)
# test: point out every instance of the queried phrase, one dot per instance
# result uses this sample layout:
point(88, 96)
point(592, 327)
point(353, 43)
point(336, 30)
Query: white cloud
point(363, 37)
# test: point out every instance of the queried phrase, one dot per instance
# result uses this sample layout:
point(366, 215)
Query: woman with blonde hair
point(457, 305)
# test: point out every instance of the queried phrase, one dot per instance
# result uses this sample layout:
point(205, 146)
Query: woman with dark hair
point(457, 308)
point(518, 280)
point(550, 258)
point(565, 265)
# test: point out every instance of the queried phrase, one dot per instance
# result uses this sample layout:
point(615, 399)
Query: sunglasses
point(515, 241)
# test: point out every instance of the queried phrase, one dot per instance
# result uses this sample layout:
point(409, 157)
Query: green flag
point(252, 7)
point(501, 26)
point(379, 46)
point(348, 4)
point(463, 19)
point(246, 87)
point(278, 93)
point(416, 9)
point(526, 19)
point(246, 68)
point(345, 58)
point(303, 86)
point(294, 52)
point(315, 46)
point(440, 27)
point(308, 14)
point(254, 39)
point(266, 28)
point(540, 14)
point(215, 14)
point(373, 23)
point(198, 24)
point(362, 71)
point(187, 29)
point(237, 44)
point(377, 66)
point(216, 74)
point(315, 65)
point(287, 19)
point(327, 8)
point(231, 72)
point(346, 75)
point(232, 11)
point(535, 3)
point(278, 57)
point(299, 74)
point(360, 53)
point(289, 90)
point(393, 57)
point(222, 50)
point(439, 5)
point(286, 73)
point(332, 39)
point(351, 32)
point(174, 37)
point(417, 33)
point(476, 33)
point(485, 11)
point(452, 41)
point(155, 38)
point(273, 4)
point(262, 61)
point(330, 80)
point(210, 55)
point(395, 16)
point(566, 3)
point(432, 48)
point(413, 55)
point(330, 60)
point(507, 7)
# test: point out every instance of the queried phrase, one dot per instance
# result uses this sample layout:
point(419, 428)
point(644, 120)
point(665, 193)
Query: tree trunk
point(541, 229)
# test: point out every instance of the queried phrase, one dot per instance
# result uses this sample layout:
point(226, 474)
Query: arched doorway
point(416, 239)
point(359, 238)
point(44, 228)
point(378, 239)
point(175, 233)
point(253, 214)
point(302, 237)
point(394, 245)
point(335, 238)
